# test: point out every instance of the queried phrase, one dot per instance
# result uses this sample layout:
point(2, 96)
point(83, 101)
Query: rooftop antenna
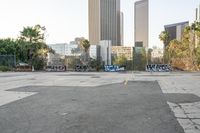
point(199, 13)
point(196, 14)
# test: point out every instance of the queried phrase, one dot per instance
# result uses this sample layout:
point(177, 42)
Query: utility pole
point(147, 56)
point(197, 15)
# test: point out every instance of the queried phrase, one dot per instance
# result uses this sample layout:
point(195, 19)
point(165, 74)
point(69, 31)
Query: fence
point(8, 60)
point(158, 68)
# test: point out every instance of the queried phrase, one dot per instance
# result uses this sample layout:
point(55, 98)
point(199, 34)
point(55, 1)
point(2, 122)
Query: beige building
point(104, 21)
point(157, 53)
point(121, 50)
point(141, 20)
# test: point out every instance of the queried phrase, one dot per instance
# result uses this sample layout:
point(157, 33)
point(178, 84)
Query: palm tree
point(37, 49)
point(85, 55)
point(164, 37)
point(33, 34)
point(85, 44)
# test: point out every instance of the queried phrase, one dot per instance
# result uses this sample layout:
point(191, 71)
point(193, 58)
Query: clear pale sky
point(67, 19)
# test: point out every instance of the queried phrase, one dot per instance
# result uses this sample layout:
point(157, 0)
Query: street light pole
point(147, 62)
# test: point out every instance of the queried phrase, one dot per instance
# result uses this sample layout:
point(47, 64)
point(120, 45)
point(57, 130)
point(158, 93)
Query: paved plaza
point(134, 102)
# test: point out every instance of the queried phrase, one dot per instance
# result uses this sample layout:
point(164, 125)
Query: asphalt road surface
point(135, 107)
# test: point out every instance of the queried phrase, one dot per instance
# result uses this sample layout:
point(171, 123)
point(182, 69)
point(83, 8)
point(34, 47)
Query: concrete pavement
point(180, 91)
point(138, 107)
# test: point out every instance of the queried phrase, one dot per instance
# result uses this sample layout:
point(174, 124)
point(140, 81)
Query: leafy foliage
point(85, 44)
point(164, 36)
point(85, 57)
point(188, 48)
point(33, 34)
point(121, 60)
point(5, 68)
point(30, 47)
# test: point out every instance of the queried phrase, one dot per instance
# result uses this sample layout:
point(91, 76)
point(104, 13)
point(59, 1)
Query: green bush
point(5, 69)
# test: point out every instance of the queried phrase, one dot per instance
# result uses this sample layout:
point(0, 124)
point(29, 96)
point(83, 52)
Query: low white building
point(105, 47)
point(157, 53)
point(93, 51)
point(72, 50)
point(55, 59)
point(66, 49)
point(59, 48)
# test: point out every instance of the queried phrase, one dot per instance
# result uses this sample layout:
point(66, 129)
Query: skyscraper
point(104, 21)
point(141, 20)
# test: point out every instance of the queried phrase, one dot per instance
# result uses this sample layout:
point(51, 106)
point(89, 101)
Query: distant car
point(23, 67)
point(23, 64)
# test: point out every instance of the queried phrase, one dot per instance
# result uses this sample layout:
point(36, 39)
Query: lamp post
point(147, 60)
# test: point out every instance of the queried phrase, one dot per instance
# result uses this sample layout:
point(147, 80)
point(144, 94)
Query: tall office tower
point(141, 20)
point(122, 28)
point(104, 21)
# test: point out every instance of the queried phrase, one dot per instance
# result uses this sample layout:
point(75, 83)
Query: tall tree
point(175, 49)
point(85, 44)
point(37, 50)
point(121, 60)
point(186, 51)
point(164, 37)
point(85, 57)
point(33, 34)
point(29, 48)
